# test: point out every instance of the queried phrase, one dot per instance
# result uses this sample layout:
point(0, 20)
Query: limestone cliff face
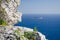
point(8, 11)
point(9, 15)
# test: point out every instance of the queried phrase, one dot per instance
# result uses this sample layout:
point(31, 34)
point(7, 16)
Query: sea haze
point(48, 24)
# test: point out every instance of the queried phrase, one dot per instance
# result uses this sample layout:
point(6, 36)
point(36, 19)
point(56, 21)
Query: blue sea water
point(48, 24)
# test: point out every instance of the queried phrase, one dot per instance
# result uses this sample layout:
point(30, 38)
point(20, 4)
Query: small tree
point(35, 30)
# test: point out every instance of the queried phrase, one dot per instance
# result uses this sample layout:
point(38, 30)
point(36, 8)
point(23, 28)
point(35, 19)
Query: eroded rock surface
point(8, 11)
point(10, 16)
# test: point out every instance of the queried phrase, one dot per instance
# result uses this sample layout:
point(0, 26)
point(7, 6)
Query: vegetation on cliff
point(3, 22)
point(32, 35)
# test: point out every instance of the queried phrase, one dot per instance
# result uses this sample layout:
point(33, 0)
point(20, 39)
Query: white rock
point(28, 29)
point(12, 16)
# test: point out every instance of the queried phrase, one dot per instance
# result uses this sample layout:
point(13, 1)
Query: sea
point(47, 24)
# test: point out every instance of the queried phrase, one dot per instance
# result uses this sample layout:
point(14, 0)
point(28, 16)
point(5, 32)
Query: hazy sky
point(40, 6)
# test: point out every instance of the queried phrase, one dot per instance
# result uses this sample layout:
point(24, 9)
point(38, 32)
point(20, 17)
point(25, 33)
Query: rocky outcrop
point(8, 11)
point(17, 32)
point(10, 16)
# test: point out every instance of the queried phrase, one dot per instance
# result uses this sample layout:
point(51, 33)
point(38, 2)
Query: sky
point(39, 6)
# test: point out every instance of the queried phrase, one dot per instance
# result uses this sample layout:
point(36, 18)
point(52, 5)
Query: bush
point(35, 29)
point(3, 23)
point(27, 34)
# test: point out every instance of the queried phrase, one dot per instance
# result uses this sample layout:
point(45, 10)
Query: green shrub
point(17, 31)
point(35, 29)
point(27, 34)
point(3, 23)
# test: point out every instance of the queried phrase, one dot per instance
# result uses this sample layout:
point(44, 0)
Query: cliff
point(8, 11)
point(10, 16)
point(20, 33)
